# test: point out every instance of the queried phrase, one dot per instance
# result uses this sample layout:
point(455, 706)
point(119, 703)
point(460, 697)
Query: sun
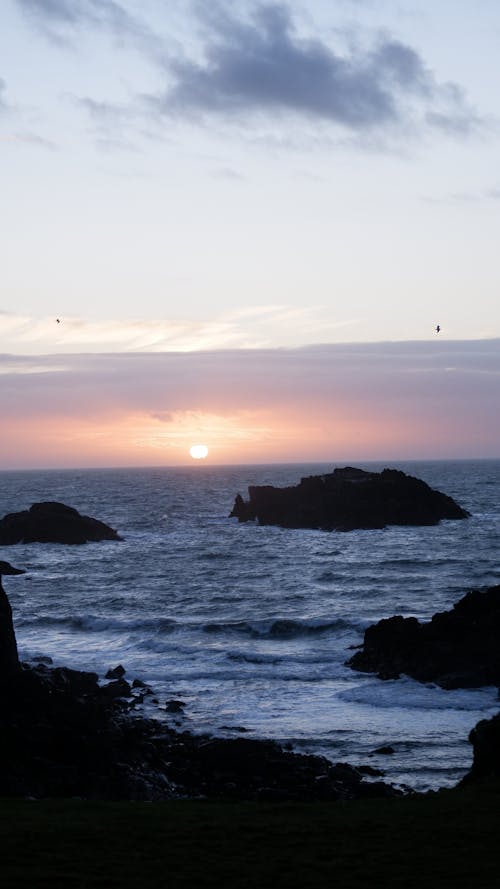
point(198, 451)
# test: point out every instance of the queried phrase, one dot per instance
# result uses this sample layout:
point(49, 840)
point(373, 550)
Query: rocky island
point(52, 522)
point(348, 499)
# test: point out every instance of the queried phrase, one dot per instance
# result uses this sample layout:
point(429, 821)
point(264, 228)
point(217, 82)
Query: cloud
point(489, 193)
point(254, 61)
point(28, 139)
point(61, 19)
point(250, 327)
point(383, 401)
point(262, 65)
point(103, 13)
point(448, 376)
point(3, 103)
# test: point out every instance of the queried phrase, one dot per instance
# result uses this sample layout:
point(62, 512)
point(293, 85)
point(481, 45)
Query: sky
point(239, 224)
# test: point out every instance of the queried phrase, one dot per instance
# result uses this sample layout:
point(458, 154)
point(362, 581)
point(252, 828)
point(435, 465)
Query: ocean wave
point(214, 556)
point(326, 664)
point(281, 628)
point(254, 658)
point(92, 623)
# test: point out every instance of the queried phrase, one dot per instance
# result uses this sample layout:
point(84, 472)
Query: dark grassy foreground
point(449, 839)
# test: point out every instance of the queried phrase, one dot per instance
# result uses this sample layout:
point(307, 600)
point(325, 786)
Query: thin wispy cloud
point(28, 139)
point(3, 102)
point(61, 20)
point(245, 327)
point(486, 194)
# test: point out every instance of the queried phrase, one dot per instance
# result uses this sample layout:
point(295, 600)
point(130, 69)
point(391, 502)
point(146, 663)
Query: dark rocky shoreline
point(65, 735)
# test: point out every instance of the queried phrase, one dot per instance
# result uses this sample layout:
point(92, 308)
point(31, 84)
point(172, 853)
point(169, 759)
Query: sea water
point(252, 626)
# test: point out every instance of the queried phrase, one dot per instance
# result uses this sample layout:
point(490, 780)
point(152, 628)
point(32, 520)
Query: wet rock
point(346, 499)
point(174, 706)
point(234, 728)
point(386, 750)
point(116, 672)
point(52, 522)
point(456, 649)
point(369, 770)
point(119, 688)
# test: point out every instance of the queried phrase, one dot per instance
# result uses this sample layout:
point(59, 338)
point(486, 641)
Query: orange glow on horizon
point(303, 435)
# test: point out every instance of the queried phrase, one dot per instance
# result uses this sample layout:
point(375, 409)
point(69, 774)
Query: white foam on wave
point(406, 693)
point(283, 627)
point(90, 623)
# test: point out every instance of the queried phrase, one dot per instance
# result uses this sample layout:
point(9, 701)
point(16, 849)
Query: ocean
point(252, 626)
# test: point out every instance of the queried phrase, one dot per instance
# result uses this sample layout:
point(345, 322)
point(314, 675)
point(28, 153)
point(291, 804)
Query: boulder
point(456, 649)
point(348, 499)
point(174, 706)
point(119, 688)
point(52, 522)
point(485, 739)
point(116, 672)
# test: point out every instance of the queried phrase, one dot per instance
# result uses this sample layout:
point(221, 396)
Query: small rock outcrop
point(456, 649)
point(52, 522)
point(485, 739)
point(348, 499)
point(9, 659)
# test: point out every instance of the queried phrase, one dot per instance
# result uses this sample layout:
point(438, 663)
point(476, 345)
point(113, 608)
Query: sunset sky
point(249, 218)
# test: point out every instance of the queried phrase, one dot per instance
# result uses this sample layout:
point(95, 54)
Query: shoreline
point(198, 811)
point(65, 735)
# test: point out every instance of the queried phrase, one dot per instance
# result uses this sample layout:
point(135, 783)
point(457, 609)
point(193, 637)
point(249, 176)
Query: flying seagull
point(438, 328)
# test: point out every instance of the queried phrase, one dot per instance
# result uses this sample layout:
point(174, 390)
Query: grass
point(447, 840)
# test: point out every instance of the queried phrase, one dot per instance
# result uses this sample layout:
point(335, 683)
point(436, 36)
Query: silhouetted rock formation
point(9, 660)
point(52, 522)
point(485, 739)
point(456, 649)
point(347, 499)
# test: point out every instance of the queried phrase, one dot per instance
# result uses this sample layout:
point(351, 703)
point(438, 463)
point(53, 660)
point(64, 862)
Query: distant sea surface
point(252, 626)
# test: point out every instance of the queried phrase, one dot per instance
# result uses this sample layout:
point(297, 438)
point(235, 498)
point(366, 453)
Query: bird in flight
point(58, 320)
point(438, 328)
